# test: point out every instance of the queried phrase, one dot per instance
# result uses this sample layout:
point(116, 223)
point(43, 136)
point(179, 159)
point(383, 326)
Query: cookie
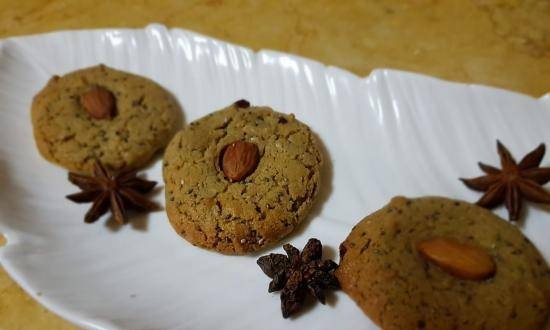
point(212, 211)
point(382, 270)
point(144, 119)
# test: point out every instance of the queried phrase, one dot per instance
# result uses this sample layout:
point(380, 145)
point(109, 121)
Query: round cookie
point(382, 271)
point(209, 211)
point(146, 118)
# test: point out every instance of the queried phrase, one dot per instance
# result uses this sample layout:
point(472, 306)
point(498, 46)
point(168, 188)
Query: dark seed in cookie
point(242, 103)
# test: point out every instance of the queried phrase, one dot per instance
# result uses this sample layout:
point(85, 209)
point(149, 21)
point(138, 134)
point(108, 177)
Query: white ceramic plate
point(388, 134)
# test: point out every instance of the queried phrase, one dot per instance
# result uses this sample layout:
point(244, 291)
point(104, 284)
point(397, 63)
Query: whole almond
point(458, 259)
point(98, 102)
point(239, 160)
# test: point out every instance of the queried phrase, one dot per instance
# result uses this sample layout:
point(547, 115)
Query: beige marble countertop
point(503, 43)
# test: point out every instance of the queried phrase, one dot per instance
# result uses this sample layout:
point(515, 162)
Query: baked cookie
point(211, 206)
point(103, 114)
point(384, 271)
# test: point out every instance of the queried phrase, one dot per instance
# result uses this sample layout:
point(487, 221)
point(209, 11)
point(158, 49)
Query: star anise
point(298, 273)
point(117, 192)
point(514, 182)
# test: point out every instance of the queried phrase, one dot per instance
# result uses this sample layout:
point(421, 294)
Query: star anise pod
point(514, 182)
point(117, 192)
point(297, 273)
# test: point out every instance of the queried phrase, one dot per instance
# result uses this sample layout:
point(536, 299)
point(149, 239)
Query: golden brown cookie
point(71, 128)
point(237, 215)
point(399, 289)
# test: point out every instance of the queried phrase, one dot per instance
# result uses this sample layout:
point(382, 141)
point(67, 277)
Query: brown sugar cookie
point(425, 263)
point(240, 178)
point(99, 113)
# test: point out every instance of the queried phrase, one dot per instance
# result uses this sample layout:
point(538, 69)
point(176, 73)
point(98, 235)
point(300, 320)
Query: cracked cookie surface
point(146, 118)
point(382, 271)
point(241, 217)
